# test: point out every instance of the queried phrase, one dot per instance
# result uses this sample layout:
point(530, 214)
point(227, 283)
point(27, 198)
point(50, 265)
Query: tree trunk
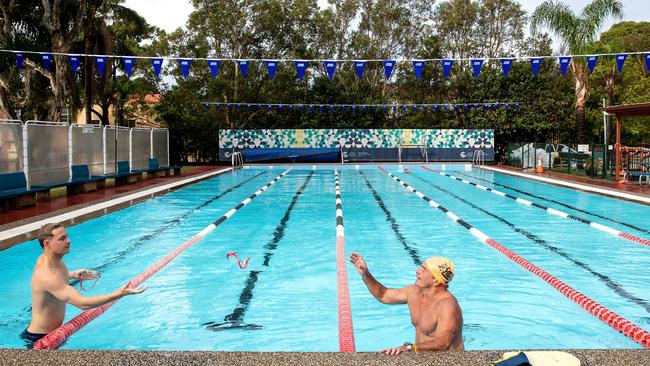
point(610, 100)
point(61, 43)
point(60, 87)
point(581, 92)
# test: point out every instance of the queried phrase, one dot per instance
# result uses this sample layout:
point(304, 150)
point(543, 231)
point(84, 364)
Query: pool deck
point(42, 210)
point(14, 224)
point(473, 358)
point(628, 191)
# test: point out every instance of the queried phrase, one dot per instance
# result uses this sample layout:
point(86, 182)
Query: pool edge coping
point(577, 186)
point(20, 234)
point(592, 357)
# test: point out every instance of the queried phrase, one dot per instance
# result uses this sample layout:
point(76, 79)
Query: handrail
point(478, 158)
point(237, 160)
point(46, 123)
point(11, 121)
point(422, 146)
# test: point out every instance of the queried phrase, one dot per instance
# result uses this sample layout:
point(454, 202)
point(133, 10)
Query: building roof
point(148, 99)
point(629, 110)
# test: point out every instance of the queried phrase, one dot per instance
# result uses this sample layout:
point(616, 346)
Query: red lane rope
point(612, 319)
point(609, 317)
point(56, 337)
point(346, 330)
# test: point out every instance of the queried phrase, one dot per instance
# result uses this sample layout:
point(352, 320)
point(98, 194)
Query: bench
point(14, 192)
point(156, 170)
point(641, 175)
point(80, 182)
point(83, 182)
point(124, 175)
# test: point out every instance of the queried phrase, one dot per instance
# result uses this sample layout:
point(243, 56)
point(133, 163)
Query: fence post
point(26, 156)
point(70, 147)
point(605, 161)
point(569, 165)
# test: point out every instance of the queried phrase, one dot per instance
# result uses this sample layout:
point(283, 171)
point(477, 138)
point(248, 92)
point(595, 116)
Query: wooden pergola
point(620, 111)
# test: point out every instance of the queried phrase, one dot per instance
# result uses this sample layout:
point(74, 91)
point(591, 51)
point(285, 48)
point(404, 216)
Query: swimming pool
point(286, 299)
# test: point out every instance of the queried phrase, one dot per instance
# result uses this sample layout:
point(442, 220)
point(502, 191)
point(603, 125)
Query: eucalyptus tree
point(455, 22)
point(500, 27)
point(577, 33)
point(114, 29)
point(390, 30)
point(23, 94)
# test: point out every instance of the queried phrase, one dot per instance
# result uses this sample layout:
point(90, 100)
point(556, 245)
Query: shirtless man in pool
point(50, 289)
point(435, 312)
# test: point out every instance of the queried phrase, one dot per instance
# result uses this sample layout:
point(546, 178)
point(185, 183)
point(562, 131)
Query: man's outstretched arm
point(379, 291)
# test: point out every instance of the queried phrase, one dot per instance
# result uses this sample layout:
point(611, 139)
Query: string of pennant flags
point(214, 64)
point(363, 107)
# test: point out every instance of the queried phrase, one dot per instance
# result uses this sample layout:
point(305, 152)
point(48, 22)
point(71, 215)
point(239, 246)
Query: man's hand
point(359, 263)
point(84, 274)
point(394, 350)
point(126, 290)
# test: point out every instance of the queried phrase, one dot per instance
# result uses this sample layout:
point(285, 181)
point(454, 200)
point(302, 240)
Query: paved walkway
point(623, 357)
point(629, 191)
point(15, 225)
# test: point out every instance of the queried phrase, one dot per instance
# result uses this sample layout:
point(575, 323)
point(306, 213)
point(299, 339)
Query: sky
point(171, 14)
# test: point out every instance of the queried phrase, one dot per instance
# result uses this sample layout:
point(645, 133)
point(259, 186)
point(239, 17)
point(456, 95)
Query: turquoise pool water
point(286, 300)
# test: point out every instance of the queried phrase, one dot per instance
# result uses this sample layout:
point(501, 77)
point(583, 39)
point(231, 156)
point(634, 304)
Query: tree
point(577, 33)
point(455, 22)
point(500, 26)
point(62, 19)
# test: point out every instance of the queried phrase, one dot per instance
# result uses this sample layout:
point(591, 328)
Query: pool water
point(286, 299)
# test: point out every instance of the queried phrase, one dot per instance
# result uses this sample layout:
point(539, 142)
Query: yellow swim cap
point(441, 268)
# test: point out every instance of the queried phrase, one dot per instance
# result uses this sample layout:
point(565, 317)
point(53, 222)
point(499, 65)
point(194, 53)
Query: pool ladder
point(478, 159)
point(237, 160)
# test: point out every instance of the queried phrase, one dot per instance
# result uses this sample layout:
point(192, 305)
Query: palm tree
point(577, 33)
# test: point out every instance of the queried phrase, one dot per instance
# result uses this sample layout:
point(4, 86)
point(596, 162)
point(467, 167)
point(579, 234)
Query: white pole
point(26, 155)
point(104, 148)
point(70, 152)
point(605, 130)
point(130, 148)
point(151, 144)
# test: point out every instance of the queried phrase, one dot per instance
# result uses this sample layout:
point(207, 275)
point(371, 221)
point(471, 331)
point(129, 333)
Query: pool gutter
point(26, 232)
point(610, 357)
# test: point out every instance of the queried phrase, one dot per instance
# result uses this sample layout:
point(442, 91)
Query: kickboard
point(547, 358)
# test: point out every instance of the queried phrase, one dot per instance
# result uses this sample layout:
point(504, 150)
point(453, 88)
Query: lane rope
point(609, 317)
point(346, 331)
point(552, 211)
point(56, 337)
point(557, 202)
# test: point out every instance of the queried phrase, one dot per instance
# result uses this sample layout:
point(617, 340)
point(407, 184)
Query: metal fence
point(47, 157)
point(11, 146)
point(592, 160)
point(45, 151)
point(86, 148)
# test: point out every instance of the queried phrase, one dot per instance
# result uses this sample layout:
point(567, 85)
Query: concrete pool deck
point(627, 357)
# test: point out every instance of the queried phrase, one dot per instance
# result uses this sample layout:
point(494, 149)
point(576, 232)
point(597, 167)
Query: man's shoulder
point(450, 301)
point(43, 278)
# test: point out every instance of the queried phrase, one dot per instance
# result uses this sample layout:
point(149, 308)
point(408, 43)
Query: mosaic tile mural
point(359, 138)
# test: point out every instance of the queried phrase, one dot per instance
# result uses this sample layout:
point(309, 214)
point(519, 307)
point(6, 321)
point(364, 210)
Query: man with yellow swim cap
point(435, 313)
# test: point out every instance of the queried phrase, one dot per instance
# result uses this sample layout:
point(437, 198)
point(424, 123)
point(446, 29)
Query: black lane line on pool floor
point(559, 203)
point(412, 251)
point(532, 237)
point(235, 320)
point(166, 226)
